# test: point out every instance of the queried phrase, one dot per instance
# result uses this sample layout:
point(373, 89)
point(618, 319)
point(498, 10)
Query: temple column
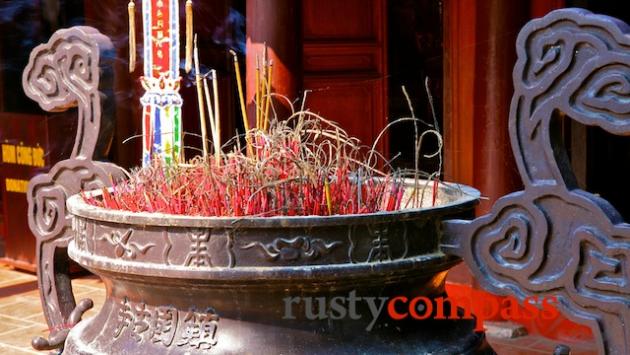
point(479, 55)
point(495, 172)
point(276, 23)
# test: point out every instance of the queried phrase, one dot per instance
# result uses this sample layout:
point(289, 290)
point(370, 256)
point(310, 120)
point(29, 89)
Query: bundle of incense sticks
point(292, 173)
point(264, 69)
point(263, 85)
point(303, 165)
point(204, 100)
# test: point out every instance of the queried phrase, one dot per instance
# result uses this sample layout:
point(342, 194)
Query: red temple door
point(344, 64)
point(334, 49)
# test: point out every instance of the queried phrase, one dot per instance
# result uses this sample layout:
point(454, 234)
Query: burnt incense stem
point(202, 116)
point(131, 9)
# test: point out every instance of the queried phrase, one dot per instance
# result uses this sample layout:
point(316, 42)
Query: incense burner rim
point(460, 197)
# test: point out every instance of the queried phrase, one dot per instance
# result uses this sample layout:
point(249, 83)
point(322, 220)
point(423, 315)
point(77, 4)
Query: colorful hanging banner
point(162, 103)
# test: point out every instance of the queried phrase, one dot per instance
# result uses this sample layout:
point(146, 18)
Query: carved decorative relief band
point(552, 238)
point(176, 246)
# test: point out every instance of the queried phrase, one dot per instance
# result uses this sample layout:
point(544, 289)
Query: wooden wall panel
point(353, 103)
point(342, 59)
point(348, 20)
point(344, 63)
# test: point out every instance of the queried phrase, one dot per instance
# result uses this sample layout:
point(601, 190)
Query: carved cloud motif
point(298, 248)
point(123, 248)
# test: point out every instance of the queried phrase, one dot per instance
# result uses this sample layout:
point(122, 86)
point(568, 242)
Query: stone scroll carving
point(552, 238)
point(62, 74)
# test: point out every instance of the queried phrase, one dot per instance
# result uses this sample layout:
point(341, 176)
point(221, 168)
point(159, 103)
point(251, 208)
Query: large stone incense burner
point(191, 284)
point(178, 284)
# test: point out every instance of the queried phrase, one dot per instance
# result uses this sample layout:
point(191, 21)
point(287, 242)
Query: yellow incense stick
point(241, 97)
point(202, 115)
point(263, 84)
point(257, 99)
point(239, 85)
point(268, 97)
point(217, 117)
point(131, 8)
point(189, 35)
point(328, 199)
